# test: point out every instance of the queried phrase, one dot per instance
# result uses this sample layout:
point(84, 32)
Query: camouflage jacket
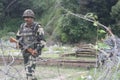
point(31, 36)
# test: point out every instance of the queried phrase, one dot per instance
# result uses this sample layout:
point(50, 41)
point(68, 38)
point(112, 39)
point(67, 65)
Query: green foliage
point(75, 29)
point(101, 8)
point(10, 26)
point(101, 31)
point(64, 38)
point(115, 13)
point(95, 23)
point(52, 19)
point(72, 5)
point(1, 9)
point(102, 45)
point(58, 24)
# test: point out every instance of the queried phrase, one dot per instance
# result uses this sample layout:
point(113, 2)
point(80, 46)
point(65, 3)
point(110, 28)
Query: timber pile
point(84, 50)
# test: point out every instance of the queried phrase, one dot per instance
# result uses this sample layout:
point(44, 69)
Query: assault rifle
point(30, 50)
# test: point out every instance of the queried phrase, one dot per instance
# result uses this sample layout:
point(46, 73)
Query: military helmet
point(28, 13)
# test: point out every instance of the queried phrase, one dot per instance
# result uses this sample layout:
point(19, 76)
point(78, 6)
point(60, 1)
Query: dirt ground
point(42, 73)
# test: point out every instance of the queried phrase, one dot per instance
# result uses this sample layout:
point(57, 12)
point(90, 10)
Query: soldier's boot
point(34, 79)
point(29, 78)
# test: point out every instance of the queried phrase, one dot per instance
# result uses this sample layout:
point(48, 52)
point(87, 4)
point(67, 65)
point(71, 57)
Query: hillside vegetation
point(59, 25)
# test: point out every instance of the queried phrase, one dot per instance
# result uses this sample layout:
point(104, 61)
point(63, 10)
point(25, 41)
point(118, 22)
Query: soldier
point(31, 41)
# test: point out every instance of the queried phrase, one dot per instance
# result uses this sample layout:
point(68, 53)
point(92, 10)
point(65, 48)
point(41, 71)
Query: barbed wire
point(110, 68)
point(108, 59)
point(7, 70)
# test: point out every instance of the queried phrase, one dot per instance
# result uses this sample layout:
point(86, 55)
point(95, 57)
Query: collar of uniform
point(29, 26)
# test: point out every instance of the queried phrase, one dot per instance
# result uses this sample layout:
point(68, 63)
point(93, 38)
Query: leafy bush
point(75, 29)
point(10, 26)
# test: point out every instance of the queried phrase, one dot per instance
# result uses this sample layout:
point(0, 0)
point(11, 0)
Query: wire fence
point(107, 60)
point(9, 70)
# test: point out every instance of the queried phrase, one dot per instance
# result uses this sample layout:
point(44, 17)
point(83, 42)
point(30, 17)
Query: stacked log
point(85, 50)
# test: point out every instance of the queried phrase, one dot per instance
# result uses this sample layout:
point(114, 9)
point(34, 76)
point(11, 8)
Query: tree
point(72, 26)
point(1, 13)
point(75, 29)
point(101, 8)
point(115, 13)
point(15, 8)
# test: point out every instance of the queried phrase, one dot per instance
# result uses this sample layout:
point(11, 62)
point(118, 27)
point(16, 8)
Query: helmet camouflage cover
point(28, 13)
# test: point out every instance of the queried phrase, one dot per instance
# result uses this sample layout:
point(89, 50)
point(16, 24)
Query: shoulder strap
point(21, 27)
point(35, 26)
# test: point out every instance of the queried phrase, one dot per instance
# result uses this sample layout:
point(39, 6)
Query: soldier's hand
point(13, 40)
point(33, 52)
point(43, 43)
point(17, 46)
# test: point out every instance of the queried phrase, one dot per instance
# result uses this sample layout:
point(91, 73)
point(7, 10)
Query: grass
point(60, 73)
point(56, 56)
point(47, 73)
point(52, 72)
point(49, 54)
point(53, 56)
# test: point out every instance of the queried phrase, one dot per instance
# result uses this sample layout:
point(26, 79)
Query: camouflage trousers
point(30, 64)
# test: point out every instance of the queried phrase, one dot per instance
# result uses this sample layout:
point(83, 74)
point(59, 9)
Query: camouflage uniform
point(30, 36)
